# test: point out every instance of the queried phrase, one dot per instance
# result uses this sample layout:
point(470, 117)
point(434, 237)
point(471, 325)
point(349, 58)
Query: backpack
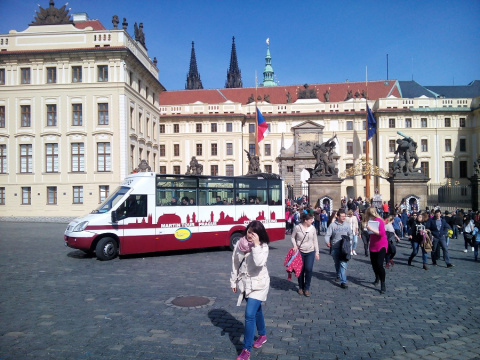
point(295, 218)
point(346, 248)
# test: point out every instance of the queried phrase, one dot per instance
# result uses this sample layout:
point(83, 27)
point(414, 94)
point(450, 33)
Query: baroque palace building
point(78, 111)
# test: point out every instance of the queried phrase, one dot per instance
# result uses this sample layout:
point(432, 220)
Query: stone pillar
point(320, 187)
point(475, 182)
point(402, 186)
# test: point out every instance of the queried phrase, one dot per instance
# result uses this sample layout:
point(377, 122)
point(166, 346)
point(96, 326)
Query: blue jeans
point(415, 247)
point(475, 250)
point(437, 244)
point(354, 242)
point(324, 226)
point(340, 265)
point(317, 226)
point(253, 319)
point(305, 277)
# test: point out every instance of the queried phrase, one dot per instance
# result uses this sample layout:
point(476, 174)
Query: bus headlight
point(80, 226)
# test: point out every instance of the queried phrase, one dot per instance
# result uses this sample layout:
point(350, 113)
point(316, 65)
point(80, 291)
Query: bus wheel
point(234, 239)
point(106, 249)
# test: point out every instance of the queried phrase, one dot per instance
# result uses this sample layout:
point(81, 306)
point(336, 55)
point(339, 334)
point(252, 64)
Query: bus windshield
point(112, 200)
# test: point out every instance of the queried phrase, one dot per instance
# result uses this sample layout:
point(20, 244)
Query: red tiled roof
point(95, 24)
point(278, 94)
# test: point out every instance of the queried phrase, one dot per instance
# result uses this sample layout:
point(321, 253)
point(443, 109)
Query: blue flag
point(371, 123)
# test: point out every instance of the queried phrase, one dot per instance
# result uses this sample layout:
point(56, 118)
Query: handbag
point(291, 256)
point(346, 248)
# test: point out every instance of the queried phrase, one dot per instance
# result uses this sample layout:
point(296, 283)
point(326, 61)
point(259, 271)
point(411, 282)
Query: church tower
point(193, 77)
point(268, 70)
point(234, 75)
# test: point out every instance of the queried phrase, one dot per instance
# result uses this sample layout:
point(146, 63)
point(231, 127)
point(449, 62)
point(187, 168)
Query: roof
point(95, 24)
point(411, 89)
point(278, 94)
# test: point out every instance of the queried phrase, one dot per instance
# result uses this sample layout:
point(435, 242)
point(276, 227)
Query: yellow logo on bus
point(183, 234)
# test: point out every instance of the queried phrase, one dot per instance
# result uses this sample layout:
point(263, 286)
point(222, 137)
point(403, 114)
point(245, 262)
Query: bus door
point(136, 225)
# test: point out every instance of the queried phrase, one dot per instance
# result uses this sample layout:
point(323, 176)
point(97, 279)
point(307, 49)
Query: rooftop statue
point(139, 35)
point(52, 15)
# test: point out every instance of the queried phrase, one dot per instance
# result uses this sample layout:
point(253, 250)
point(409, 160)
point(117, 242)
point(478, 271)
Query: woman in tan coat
point(304, 238)
point(250, 279)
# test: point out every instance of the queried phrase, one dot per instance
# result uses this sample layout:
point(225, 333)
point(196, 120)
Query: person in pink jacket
point(378, 245)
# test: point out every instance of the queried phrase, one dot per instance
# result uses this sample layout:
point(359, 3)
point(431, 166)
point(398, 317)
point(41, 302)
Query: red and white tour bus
point(149, 212)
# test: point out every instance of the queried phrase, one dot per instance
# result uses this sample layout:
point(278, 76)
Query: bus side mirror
point(114, 217)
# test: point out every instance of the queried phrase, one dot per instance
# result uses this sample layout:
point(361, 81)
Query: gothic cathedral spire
point(193, 77)
point(234, 75)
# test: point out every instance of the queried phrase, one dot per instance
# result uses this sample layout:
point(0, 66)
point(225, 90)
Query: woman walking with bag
point(352, 221)
point(250, 279)
point(416, 238)
point(392, 238)
point(378, 245)
point(304, 239)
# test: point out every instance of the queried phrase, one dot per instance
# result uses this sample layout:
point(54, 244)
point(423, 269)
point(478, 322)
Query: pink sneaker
point(262, 339)
point(244, 355)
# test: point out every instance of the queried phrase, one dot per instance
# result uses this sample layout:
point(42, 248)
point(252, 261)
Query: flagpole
point(367, 145)
point(257, 152)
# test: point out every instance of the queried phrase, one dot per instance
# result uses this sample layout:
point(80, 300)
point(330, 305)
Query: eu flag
point(371, 123)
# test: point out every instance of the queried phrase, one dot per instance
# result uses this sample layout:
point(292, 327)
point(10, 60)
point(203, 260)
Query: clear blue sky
point(436, 42)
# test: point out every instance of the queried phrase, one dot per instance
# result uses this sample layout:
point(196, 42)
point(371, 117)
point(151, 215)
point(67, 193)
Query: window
point(162, 128)
point(364, 147)
point(391, 146)
point(77, 115)
point(448, 122)
point(103, 192)
point(463, 169)
point(102, 73)
point(199, 149)
point(176, 170)
point(251, 149)
point(448, 169)
point(2, 76)
point(214, 149)
point(162, 150)
point(25, 75)
point(26, 158)
point(147, 126)
point(3, 159)
point(163, 169)
point(268, 149)
point(229, 127)
point(78, 157)
point(214, 170)
point(140, 122)
point(198, 128)
point(448, 144)
point(51, 115)
point(251, 128)
point(213, 127)
point(463, 145)
point(290, 169)
point(229, 148)
point(132, 117)
point(268, 169)
point(2, 196)
point(176, 128)
point(78, 194)
point(139, 86)
point(408, 123)
point(102, 114)
point(2, 116)
point(423, 122)
point(349, 147)
point(364, 124)
point(176, 150)
point(25, 115)
point(424, 145)
point(51, 195)
point(462, 122)
point(103, 157)
point(130, 78)
point(51, 158)
point(229, 170)
point(51, 75)
point(76, 74)
point(349, 125)
point(26, 195)
point(391, 123)
point(425, 169)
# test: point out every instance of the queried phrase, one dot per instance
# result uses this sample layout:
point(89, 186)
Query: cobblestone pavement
point(58, 303)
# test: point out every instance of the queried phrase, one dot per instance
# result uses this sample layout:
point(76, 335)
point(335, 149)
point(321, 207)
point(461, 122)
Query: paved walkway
point(58, 303)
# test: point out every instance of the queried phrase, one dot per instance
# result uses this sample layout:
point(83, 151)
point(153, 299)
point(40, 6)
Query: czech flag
point(262, 126)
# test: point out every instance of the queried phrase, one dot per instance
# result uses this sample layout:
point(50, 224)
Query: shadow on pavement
point(283, 284)
point(229, 325)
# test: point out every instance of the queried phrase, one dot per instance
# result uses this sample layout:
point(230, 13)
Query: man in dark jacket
point(439, 227)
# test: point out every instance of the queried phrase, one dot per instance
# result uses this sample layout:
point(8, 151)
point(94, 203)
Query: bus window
point(251, 183)
point(134, 206)
point(112, 200)
point(275, 192)
point(215, 197)
point(169, 197)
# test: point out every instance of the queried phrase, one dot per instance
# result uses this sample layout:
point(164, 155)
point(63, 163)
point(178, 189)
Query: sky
point(434, 42)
